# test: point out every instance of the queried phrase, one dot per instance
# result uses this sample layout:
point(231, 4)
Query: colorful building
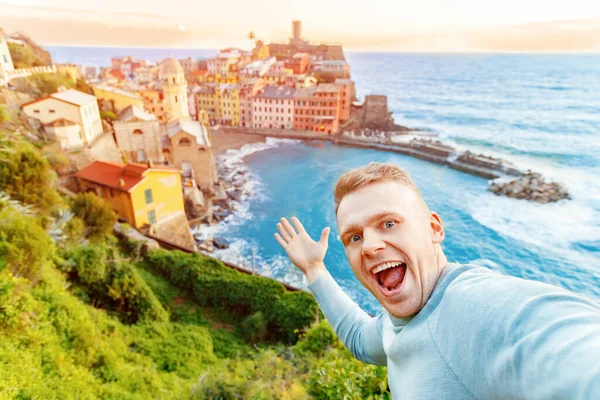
point(74, 107)
point(346, 88)
point(317, 109)
point(153, 103)
point(141, 194)
point(298, 63)
point(229, 104)
point(120, 98)
point(207, 103)
point(273, 107)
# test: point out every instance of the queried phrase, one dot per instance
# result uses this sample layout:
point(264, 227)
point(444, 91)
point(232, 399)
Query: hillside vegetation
point(84, 316)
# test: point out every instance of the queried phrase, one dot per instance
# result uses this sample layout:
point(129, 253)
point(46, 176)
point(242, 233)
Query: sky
point(375, 25)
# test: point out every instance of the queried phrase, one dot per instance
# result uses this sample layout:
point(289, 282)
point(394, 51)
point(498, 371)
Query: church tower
point(174, 88)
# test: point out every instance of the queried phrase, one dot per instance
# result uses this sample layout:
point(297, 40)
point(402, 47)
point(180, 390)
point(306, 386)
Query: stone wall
point(175, 229)
point(373, 115)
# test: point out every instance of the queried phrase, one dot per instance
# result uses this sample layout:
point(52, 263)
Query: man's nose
point(372, 243)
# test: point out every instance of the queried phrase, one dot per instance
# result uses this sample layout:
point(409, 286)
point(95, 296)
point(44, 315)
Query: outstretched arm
point(360, 332)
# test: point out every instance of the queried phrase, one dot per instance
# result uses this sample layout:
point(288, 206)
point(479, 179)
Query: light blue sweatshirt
point(481, 335)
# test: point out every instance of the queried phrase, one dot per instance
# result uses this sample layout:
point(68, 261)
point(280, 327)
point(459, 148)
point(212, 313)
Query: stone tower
point(174, 88)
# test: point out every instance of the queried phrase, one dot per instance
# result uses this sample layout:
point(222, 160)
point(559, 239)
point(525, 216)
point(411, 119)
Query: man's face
point(389, 237)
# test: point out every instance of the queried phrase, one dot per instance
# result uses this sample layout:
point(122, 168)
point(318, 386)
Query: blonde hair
point(371, 173)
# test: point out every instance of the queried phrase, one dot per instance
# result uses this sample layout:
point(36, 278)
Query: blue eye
point(355, 238)
point(389, 224)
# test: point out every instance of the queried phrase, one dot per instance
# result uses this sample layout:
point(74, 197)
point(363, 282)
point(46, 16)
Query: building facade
point(141, 194)
point(174, 86)
point(6, 63)
point(120, 98)
point(71, 105)
point(138, 135)
point(273, 107)
point(190, 149)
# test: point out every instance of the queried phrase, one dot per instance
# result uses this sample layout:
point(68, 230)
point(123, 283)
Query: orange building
point(138, 193)
point(317, 108)
point(346, 88)
point(298, 63)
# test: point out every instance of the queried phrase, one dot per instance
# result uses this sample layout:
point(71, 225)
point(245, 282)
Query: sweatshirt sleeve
point(508, 338)
point(360, 332)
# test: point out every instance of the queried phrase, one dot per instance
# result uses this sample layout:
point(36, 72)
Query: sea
point(539, 111)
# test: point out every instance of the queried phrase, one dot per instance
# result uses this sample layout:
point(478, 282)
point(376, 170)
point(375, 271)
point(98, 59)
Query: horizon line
point(351, 50)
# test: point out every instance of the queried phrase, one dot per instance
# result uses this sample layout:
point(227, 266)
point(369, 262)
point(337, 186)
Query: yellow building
point(140, 194)
point(229, 104)
point(121, 98)
point(70, 70)
point(207, 104)
point(221, 79)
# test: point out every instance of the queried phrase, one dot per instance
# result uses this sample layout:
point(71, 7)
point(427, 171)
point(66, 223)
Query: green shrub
point(232, 292)
point(339, 375)
point(269, 376)
point(254, 327)
point(317, 339)
point(182, 349)
point(96, 214)
point(25, 248)
point(112, 284)
point(26, 176)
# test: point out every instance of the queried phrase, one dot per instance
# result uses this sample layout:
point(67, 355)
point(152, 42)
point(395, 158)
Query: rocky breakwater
point(233, 189)
point(507, 179)
point(530, 186)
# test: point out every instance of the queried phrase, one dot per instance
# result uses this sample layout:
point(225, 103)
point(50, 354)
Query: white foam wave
point(555, 227)
point(240, 250)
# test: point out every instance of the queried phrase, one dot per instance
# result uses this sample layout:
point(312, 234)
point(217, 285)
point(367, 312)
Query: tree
point(97, 215)
point(25, 248)
point(26, 176)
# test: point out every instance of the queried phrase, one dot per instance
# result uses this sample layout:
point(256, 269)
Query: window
point(148, 194)
point(5, 58)
point(36, 111)
point(185, 142)
point(52, 111)
point(175, 99)
point(138, 132)
point(151, 217)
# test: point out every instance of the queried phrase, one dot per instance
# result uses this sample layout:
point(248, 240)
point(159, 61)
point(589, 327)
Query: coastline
point(222, 141)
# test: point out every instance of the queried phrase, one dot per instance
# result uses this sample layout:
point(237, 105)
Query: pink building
point(273, 107)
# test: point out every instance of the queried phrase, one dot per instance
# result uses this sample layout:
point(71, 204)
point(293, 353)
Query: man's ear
point(437, 228)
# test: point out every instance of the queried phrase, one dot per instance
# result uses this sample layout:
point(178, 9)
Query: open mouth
point(390, 276)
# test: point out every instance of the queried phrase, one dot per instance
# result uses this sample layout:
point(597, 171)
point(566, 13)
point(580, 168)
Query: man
point(449, 331)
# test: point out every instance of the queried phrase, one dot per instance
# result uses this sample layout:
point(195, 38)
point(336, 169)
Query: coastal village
point(141, 135)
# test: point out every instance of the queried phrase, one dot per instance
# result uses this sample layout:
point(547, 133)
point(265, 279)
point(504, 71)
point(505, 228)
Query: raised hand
point(304, 252)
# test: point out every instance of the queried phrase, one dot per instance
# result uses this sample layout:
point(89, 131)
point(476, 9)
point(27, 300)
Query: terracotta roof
point(118, 176)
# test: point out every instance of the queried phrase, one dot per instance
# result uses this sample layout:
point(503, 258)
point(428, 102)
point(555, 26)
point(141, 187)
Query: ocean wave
point(241, 250)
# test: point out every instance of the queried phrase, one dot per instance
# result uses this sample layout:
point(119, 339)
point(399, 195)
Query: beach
point(221, 141)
